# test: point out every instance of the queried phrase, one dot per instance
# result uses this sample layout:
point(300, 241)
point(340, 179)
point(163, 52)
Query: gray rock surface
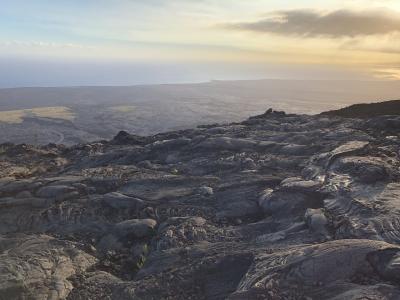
point(39, 267)
point(135, 228)
point(276, 207)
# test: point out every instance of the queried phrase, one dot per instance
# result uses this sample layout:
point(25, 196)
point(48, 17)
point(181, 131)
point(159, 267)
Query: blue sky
point(231, 34)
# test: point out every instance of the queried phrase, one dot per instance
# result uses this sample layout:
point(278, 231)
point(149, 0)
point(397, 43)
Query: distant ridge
point(367, 110)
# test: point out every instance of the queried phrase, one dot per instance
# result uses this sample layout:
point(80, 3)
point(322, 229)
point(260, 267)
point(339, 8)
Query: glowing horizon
point(335, 34)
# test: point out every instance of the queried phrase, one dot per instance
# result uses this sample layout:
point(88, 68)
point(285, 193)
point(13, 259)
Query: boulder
point(55, 191)
point(137, 228)
point(292, 196)
point(205, 191)
point(121, 201)
point(365, 169)
point(350, 148)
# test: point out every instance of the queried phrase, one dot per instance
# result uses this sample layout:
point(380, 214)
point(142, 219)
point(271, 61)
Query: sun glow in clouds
point(334, 33)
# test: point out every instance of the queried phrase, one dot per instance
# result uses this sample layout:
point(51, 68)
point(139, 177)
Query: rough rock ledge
point(276, 207)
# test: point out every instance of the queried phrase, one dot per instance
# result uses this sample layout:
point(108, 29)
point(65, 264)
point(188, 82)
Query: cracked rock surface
point(276, 207)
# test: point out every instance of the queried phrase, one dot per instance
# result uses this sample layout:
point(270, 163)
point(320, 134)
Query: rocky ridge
point(276, 207)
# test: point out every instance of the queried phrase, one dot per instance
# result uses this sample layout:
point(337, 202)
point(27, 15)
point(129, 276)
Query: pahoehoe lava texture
point(276, 207)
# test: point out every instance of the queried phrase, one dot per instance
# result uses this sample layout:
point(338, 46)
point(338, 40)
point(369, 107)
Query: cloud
point(389, 44)
point(37, 44)
point(335, 24)
point(388, 74)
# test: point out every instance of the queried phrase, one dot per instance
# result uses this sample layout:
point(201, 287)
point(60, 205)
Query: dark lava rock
point(124, 138)
point(367, 110)
point(276, 207)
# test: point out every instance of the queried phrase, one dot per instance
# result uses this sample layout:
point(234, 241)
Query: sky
point(119, 42)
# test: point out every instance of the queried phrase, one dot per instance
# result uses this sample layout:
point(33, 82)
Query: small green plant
point(145, 249)
point(3, 149)
point(140, 262)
